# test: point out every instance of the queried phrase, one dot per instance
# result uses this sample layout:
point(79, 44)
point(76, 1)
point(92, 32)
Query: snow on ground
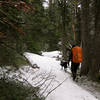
point(69, 90)
point(51, 54)
point(87, 84)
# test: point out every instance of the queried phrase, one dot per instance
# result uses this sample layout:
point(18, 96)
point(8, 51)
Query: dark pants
point(74, 68)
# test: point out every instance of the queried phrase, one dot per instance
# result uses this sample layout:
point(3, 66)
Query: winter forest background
point(38, 26)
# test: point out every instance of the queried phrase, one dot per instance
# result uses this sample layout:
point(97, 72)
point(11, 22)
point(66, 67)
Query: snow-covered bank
point(50, 76)
point(68, 90)
point(52, 54)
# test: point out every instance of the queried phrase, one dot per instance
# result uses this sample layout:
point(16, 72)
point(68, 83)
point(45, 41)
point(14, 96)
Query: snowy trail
point(69, 90)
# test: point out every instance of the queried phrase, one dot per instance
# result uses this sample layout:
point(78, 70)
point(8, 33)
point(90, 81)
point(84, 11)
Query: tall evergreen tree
point(85, 36)
point(10, 31)
point(90, 38)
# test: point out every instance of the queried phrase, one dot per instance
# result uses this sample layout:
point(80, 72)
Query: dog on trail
point(64, 64)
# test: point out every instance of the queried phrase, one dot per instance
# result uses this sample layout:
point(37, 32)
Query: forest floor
point(55, 83)
point(69, 90)
point(91, 86)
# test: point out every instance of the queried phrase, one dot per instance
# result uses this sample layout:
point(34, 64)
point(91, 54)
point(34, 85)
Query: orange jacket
point(77, 54)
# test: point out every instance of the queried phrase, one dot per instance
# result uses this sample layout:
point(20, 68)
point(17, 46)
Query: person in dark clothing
point(74, 66)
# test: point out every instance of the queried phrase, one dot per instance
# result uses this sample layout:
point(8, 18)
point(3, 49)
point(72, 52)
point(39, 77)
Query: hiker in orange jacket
point(75, 58)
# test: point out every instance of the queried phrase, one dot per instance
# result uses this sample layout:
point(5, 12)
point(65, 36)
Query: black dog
point(64, 65)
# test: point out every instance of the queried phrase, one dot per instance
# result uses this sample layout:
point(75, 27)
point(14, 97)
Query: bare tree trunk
point(78, 26)
point(91, 38)
point(64, 30)
point(95, 66)
point(85, 37)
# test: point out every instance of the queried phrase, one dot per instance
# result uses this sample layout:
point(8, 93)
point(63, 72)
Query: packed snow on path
point(68, 90)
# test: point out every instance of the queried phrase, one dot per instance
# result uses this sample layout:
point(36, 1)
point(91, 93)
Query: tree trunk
point(64, 32)
point(85, 37)
point(63, 35)
point(95, 66)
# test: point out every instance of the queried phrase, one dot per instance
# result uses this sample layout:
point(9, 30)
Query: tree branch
point(55, 87)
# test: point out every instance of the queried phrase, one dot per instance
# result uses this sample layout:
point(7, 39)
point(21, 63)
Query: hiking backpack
point(77, 54)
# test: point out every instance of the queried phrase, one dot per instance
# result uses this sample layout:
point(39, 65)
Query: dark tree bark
point(85, 36)
point(95, 65)
point(64, 29)
point(91, 38)
point(78, 26)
